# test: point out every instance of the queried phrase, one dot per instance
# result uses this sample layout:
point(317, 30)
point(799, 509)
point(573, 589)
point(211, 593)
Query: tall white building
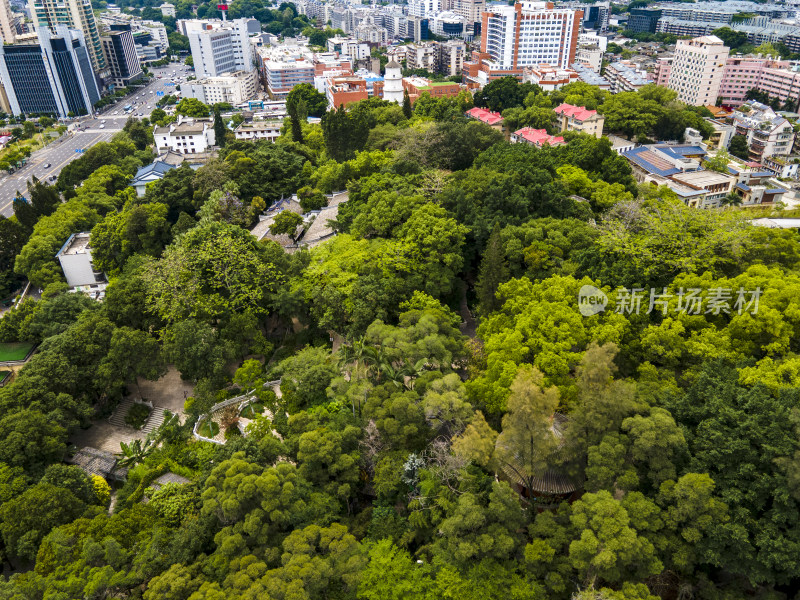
point(8, 26)
point(530, 33)
point(220, 47)
point(697, 69)
point(424, 8)
point(393, 82)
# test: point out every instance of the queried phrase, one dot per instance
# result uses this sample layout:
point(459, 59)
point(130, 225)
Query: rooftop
point(578, 112)
point(538, 137)
point(487, 116)
point(78, 243)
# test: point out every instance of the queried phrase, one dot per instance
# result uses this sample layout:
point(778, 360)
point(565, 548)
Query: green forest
point(447, 425)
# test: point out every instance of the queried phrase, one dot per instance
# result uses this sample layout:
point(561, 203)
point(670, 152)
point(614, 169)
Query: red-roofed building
point(578, 118)
point(492, 119)
point(536, 137)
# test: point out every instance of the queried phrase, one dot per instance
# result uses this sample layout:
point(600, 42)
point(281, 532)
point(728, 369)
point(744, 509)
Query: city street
point(92, 130)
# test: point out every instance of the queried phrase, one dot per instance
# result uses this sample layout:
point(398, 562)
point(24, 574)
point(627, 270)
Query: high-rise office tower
point(52, 77)
point(8, 24)
point(220, 47)
point(76, 14)
point(120, 52)
point(471, 10)
point(531, 33)
point(697, 69)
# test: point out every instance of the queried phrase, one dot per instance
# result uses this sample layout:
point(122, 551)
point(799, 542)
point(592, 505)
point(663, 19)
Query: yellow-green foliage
point(102, 490)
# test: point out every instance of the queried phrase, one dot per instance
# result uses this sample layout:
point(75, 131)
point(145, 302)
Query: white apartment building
point(530, 33)
point(450, 58)
point(187, 136)
point(422, 56)
point(471, 10)
point(234, 88)
point(424, 8)
point(259, 130)
point(167, 9)
point(768, 134)
point(220, 47)
point(349, 47)
point(697, 69)
point(156, 30)
point(8, 23)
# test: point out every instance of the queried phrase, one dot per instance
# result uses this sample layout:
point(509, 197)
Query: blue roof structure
point(647, 159)
point(643, 157)
point(743, 187)
point(158, 167)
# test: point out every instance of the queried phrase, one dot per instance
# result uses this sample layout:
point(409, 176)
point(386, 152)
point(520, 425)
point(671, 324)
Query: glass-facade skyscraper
point(54, 76)
point(75, 14)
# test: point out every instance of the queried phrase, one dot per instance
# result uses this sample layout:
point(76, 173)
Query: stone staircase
point(118, 418)
point(154, 421)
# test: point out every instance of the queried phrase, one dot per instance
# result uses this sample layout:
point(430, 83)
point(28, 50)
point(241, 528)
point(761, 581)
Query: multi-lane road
point(46, 164)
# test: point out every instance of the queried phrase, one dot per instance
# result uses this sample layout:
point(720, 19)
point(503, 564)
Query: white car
point(102, 126)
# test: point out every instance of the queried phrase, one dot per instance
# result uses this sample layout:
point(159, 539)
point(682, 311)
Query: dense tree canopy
point(413, 404)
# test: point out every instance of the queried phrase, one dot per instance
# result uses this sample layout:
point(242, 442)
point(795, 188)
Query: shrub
point(137, 416)
point(102, 491)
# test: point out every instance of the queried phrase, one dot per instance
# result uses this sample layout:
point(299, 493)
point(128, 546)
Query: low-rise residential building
point(536, 137)
point(189, 136)
point(234, 88)
point(623, 76)
point(492, 119)
point(586, 75)
point(258, 130)
point(783, 166)
point(721, 136)
point(578, 118)
point(767, 133)
point(549, 78)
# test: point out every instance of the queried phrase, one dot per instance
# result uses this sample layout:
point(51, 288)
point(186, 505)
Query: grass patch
point(137, 416)
point(251, 410)
point(208, 429)
point(14, 350)
point(5, 376)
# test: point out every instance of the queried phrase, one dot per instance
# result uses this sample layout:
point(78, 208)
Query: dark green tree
point(345, 133)
point(407, 110)
point(316, 103)
point(738, 147)
point(493, 272)
point(219, 128)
